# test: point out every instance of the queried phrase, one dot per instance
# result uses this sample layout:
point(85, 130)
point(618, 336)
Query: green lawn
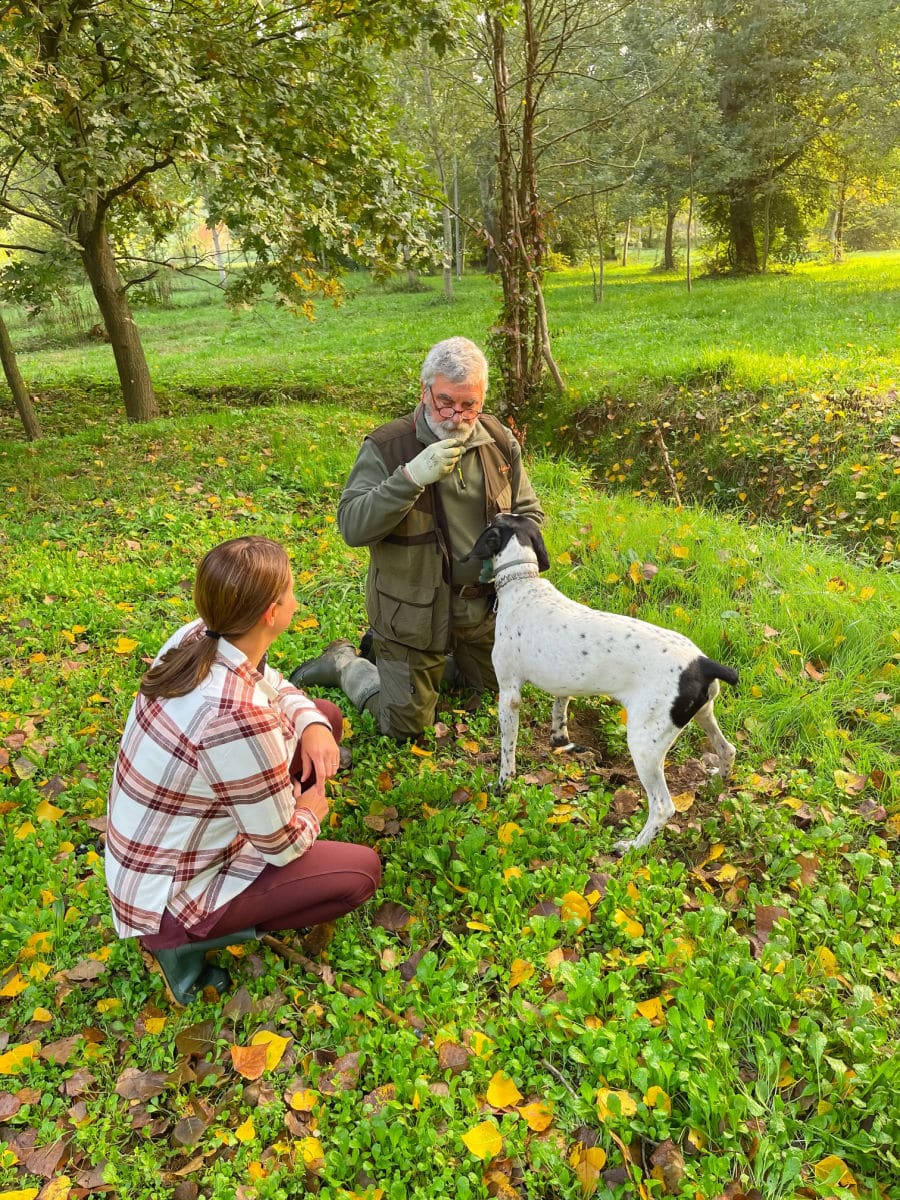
point(517, 1013)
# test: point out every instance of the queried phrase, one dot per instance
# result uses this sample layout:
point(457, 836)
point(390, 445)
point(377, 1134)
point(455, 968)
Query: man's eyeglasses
point(445, 408)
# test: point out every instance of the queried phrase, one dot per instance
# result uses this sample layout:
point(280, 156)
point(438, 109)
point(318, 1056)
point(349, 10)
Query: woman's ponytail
point(236, 582)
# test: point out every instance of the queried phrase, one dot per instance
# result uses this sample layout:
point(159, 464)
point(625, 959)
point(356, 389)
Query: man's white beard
point(449, 429)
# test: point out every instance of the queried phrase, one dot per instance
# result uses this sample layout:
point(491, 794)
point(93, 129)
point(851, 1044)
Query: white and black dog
point(544, 638)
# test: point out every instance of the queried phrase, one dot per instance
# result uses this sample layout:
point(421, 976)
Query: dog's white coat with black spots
point(542, 637)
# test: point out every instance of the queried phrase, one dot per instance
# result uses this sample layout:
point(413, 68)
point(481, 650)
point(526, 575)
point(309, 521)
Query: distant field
point(822, 328)
point(775, 397)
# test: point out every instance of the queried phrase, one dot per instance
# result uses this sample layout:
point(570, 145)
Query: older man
point(421, 491)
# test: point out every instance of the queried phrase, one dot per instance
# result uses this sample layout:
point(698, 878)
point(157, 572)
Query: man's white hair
point(458, 360)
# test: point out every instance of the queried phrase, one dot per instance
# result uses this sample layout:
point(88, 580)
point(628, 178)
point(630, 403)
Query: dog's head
point(505, 527)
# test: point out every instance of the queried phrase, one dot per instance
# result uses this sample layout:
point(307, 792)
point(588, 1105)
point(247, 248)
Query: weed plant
point(521, 1013)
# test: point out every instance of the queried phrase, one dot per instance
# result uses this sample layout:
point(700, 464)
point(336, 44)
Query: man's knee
point(408, 694)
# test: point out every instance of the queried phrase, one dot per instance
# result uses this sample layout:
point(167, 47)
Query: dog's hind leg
point(559, 728)
point(508, 707)
point(648, 751)
point(722, 748)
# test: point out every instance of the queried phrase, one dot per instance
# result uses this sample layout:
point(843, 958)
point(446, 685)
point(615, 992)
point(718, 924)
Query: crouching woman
point(218, 792)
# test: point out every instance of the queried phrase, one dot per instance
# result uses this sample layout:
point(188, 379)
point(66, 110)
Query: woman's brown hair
point(235, 584)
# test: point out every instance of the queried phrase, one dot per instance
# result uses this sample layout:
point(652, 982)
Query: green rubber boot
point(185, 971)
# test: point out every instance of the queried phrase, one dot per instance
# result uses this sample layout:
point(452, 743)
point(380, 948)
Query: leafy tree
point(271, 109)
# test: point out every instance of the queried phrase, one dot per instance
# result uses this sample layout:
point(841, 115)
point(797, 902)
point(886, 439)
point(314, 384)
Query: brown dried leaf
point(196, 1040)
point(453, 1057)
point(133, 1084)
point(86, 971)
point(46, 1161)
point(392, 916)
point(9, 1105)
point(188, 1131)
point(809, 865)
point(342, 1076)
point(668, 1161)
point(59, 1052)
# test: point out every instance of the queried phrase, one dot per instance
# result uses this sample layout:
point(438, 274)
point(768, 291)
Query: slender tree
point(272, 109)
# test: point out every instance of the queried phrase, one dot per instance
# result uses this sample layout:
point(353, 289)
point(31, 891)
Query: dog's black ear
point(537, 544)
point(487, 545)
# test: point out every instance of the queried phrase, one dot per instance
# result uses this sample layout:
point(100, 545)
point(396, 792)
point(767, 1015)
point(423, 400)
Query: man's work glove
point(435, 461)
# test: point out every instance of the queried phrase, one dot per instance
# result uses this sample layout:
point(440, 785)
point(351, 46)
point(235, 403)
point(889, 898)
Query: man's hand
point(435, 461)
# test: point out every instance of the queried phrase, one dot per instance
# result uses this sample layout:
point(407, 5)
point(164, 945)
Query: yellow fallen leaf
point(484, 1140)
point(246, 1132)
point(20, 1194)
point(46, 811)
point(312, 1153)
point(520, 971)
point(683, 801)
point(512, 873)
point(418, 751)
point(655, 1097)
point(827, 961)
point(124, 645)
point(538, 1116)
point(652, 1009)
point(727, 873)
point(680, 552)
point(828, 1168)
point(155, 1024)
point(587, 1162)
point(42, 1015)
point(565, 558)
point(478, 925)
point(628, 924)
point(24, 830)
point(274, 1044)
point(502, 1091)
point(480, 1044)
point(13, 1060)
point(14, 985)
point(507, 832)
point(108, 1004)
point(307, 623)
point(612, 1104)
point(573, 905)
point(304, 1100)
point(471, 747)
point(57, 1189)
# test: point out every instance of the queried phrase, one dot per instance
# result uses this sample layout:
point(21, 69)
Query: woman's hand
point(319, 756)
point(312, 798)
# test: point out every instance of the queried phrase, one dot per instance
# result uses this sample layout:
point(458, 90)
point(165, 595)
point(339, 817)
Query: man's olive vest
point(408, 593)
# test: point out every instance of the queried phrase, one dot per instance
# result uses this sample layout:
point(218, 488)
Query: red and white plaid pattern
point(201, 798)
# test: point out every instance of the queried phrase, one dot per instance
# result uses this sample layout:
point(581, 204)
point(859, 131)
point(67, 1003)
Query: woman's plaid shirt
point(201, 798)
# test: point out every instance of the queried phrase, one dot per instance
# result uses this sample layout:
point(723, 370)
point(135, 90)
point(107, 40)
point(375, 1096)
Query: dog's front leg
point(510, 699)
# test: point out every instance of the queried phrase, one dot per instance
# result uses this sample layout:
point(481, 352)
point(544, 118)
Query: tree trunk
point(17, 386)
point(669, 244)
point(437, 150)
point(214, 230)
point(109, 292)
point(837, 238)
point(744, 259)
point(513, 331)
point(690, 221)
point(625, 241)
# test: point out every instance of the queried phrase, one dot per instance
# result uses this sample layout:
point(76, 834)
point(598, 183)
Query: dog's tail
point(694, 685)
point(716, 670)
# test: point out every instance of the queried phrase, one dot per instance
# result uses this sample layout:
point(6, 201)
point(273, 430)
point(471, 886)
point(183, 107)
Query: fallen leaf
point(538, 1116)
point(614, 1104)
point(484, 1140)
point(502, 1091)
point(133, 1084)
point(249, 1061)
point(275, 1046)
point(520, 971)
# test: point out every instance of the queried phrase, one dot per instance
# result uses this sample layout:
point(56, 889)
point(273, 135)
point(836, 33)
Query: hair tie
point(211, 633)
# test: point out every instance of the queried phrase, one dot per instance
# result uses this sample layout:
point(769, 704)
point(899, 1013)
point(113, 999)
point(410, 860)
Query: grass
point(718, 1003)
point(775, 397)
